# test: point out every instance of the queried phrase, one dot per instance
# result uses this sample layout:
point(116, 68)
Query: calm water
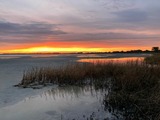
point(50, 103)
point(59, 103)
point(117, 60)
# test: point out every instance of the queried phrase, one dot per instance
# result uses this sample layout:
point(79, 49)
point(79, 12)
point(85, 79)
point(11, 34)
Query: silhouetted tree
point(155, 49)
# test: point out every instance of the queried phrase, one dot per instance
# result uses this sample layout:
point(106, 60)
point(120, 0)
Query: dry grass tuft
point(154, 59)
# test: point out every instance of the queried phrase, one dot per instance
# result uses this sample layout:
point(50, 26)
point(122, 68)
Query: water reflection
point(82, 102)
point(89, 102)
point(117, 60)
point(94, 55)
point(44, 55)
point(11, 56)
point(70, 92)
point(61, 103)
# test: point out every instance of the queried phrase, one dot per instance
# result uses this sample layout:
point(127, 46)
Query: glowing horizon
point(50, 50)
point(45, 49)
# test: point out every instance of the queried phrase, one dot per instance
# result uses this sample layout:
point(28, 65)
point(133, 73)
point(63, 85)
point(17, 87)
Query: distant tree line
point(153, 50)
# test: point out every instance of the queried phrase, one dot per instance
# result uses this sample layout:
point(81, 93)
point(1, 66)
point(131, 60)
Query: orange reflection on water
point(116, 60)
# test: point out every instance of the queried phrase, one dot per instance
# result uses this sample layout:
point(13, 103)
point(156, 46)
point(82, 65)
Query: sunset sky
point(28, 26)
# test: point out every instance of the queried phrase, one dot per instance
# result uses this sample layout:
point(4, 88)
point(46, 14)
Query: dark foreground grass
point(154, 59)
point(135, 86)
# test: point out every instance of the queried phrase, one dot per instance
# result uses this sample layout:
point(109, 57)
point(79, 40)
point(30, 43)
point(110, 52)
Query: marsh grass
point(136, 91)
point(135, 85)
point(70, 74)
point(154, 59)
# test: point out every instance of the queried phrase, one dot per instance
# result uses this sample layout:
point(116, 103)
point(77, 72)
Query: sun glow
point(51, 50)
point(61, 49)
